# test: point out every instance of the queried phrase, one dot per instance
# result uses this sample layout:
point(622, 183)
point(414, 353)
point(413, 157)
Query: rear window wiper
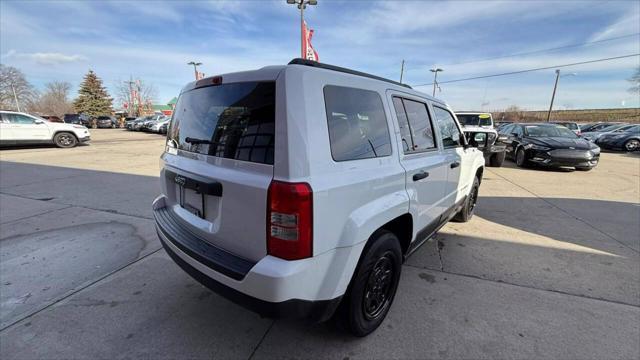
point(191, 140)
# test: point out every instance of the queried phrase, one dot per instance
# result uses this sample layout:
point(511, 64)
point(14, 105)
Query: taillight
point(289, 220)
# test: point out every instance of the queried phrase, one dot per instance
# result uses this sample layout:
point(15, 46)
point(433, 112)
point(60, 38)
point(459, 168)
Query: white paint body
point(37, 131)
point(351, 199)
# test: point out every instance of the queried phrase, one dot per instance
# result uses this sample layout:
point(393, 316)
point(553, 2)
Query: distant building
point(166, 109)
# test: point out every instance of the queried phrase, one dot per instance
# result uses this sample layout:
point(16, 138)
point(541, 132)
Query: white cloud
point(625, 25)
point(43, 58)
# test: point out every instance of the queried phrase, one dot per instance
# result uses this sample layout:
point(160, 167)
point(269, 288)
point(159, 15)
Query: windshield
point(234, 121)
point(549, 131)
point(474, 119)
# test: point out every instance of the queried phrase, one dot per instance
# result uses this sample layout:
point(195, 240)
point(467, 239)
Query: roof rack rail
point(300, 61)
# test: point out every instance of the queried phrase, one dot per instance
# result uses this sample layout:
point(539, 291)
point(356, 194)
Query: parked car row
point(151, 123)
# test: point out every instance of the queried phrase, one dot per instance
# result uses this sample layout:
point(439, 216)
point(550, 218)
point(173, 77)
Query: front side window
point(233, 121)
point(415, 125)
point(357, 123)
point(448, 128)
point(17, 118)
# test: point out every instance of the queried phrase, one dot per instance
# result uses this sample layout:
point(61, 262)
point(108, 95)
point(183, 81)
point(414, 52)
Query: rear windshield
point(474, 119)
point(233, 121)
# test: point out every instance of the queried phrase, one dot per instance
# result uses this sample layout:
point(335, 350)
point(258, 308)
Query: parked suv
point(21, 129)
point(299, 190)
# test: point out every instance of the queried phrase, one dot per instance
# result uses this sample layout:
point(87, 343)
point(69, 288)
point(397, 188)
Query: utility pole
point(435, 78)
point(131, 101)
point(555, 86)
point(15, 97)
point(553, 96)
point(302, 4)
point(195, 67)
point(401, 71)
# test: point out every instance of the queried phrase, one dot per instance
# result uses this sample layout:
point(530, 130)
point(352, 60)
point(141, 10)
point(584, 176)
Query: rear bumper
point(310, 288)
point(315, 311)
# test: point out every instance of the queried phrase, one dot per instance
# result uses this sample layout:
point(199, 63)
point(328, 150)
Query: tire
point(65, 140)
point(466, 213)
point(497, 159)
point(373, 286)
point(521, 160)
point(632, 145)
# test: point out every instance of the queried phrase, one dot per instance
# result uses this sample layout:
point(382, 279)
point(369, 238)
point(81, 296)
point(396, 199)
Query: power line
point(538, 51)
point(530, 70)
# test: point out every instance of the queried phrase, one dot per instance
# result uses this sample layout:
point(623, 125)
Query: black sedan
point(628, 140)
point(549, 145)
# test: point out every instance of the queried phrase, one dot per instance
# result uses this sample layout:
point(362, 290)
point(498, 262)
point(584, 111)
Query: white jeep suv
point(299, 190)
point(18, 128)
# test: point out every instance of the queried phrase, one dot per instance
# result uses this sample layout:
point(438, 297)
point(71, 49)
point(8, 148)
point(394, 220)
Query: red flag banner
point(309, 51)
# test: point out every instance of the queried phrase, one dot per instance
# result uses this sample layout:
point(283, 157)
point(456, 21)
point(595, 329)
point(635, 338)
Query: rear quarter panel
point(351, 198)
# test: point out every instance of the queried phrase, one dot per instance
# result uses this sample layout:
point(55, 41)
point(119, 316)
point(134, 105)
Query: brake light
point(289, 220)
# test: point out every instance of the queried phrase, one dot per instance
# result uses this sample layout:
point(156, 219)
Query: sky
point(153, 41)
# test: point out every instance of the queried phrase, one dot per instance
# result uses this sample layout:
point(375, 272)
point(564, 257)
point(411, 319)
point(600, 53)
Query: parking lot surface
point(548, 268)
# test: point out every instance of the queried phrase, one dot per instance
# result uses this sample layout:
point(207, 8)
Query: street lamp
point(302, 4)
point(555, 87)
point(195, 67)
point(435, 78)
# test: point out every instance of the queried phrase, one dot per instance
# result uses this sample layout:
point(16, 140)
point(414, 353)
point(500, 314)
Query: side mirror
point(38, 121)
point(515, 134)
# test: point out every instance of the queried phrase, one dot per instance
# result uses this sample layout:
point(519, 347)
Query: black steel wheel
point(466, 213)
point(373, 286)
point(378, 288)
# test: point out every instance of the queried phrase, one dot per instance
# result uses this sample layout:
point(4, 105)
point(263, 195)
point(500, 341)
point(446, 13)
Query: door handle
point(421, 175)
point(455, 164)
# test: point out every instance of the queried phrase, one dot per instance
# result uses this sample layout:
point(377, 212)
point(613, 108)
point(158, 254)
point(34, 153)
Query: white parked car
point(299, 190)
point(18, 128)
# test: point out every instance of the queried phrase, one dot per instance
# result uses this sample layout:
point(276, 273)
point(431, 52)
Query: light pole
point(302, 4)
point(555, 87)
point(195, 67)
point(435, 78)
point(15, 97)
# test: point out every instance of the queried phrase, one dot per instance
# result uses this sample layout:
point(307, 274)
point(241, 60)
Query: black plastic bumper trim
point(213, 257)
point(197, 183)
point(315, 311)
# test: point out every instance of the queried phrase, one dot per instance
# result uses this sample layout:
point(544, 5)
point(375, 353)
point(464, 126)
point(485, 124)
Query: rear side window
point(233, 121)
point(357, 123)
point(415, 125)
point(448, 128)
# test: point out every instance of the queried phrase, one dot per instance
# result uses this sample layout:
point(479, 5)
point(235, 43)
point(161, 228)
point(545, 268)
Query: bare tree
point(55, 99)
point(635, 82)
point(134, 93)
point(16, 93)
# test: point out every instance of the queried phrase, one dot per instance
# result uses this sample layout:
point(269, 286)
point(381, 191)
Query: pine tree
point(93, 99)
